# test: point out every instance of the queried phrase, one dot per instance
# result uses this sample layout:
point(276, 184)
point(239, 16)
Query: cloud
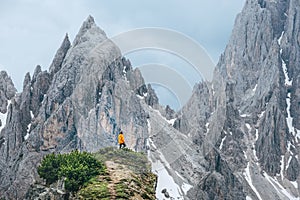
point(32, 30)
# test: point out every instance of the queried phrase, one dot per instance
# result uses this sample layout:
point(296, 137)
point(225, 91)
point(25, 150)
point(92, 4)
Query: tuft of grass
point(122, 190)
point(141, 183)
point(95, 189)
point(135, 161)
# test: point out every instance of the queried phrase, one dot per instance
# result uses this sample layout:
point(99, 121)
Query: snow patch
point(253, 145)
point(171, 121)
point(31, 114)
point(149, 126)
point(248, 198)
point(280, 38)
point(287, 81)
point(3, 120)
point(44, 98)
point(248, 126)
point(28, 130)
point(26, 136)
point(222, 142)
point(289, 148)
point(186, 187)
point(289, 119)
point(124, 73)
point(28, 127)
point(261, 114)
point(162, 158)
point(295, 184)
point(165, 181)
point(278, 187)
point(256, 135)
point(140, 97)
point(151, 143)
point(281, 167)
point(288, 163)
point(254, 89)
point(3, 116)
point(254, 153)
point(179, 175)
point(207, 127)
point(249, 180)
point(245, 115)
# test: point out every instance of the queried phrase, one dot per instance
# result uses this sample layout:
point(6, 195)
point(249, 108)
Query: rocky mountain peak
point(88, 23)
point(59, 56)
point(237, 137)
point(249, 118)
point(88, 30)
point(89, 94)
point(243, 126)
point(7, 92)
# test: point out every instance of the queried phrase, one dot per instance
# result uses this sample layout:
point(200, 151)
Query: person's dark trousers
point(123, 145)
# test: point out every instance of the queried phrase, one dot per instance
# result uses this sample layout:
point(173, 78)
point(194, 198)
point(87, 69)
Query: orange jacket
point(121, 139)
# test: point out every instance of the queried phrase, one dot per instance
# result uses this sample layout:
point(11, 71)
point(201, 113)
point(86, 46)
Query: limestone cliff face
point(236, 138)
point(245, 123)
point(7, 92)
point(88, 95)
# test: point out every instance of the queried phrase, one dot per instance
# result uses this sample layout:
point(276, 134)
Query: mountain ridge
point(251, 102)
point(124, 174)
point(236, 138)
point(79, 104)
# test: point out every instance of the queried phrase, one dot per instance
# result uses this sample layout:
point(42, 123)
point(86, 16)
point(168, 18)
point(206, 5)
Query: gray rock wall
point(243, 118)
point(89, 94)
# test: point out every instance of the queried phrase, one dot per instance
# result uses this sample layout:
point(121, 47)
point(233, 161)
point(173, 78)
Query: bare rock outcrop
point(89, 94)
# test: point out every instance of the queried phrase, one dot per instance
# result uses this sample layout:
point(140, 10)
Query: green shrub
point(76, 168)
point(49, 168)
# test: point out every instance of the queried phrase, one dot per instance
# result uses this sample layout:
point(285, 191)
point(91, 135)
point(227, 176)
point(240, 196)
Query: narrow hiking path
point(116, 173)
point(127, 176)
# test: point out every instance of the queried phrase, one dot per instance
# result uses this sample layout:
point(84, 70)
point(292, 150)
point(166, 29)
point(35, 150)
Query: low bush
point(75, 168)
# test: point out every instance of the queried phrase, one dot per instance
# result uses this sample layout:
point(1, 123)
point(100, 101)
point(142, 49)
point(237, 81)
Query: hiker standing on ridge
point(121, 140)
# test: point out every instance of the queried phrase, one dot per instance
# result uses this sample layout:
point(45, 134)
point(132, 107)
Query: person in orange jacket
point(121, 140)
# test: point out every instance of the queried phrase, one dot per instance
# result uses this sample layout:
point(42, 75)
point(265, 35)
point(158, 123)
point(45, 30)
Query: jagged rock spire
point(81, 104)
point(7, 91)
point(87, 25)
point(60, 55)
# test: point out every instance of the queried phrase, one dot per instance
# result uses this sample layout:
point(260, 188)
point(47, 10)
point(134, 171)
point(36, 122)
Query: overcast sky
point(32, 30)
